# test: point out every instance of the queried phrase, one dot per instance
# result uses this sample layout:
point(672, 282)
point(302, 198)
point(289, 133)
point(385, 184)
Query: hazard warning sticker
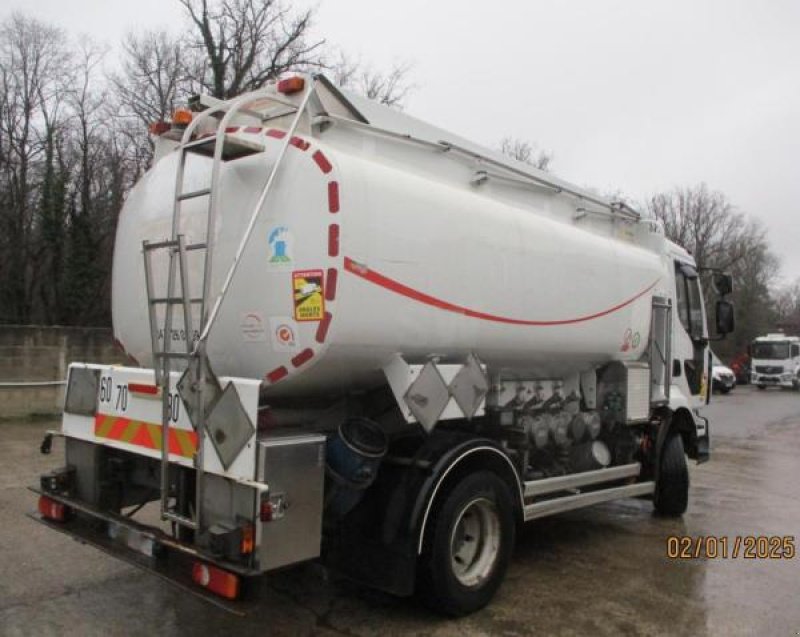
point(309, 303)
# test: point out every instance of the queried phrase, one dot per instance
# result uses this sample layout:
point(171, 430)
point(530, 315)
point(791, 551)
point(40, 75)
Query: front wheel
point(672, 483)
point(468, 545)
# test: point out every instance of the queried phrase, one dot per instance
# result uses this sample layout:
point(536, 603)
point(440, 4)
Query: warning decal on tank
point(309, 303)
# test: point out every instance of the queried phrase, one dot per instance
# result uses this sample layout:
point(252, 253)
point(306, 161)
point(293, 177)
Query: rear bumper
point(145, 547)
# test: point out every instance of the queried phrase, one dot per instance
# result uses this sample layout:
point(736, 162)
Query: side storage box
point(294, 469)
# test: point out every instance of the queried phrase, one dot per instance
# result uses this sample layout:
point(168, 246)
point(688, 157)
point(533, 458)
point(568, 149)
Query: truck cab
point(775, 361)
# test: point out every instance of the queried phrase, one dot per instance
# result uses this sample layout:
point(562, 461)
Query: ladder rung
point(161, 244)
point(195, 193)
point(173, 301)
point(179, 519)
point(174, 244)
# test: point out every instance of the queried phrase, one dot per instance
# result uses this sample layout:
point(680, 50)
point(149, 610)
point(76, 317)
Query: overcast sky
point(630, 95)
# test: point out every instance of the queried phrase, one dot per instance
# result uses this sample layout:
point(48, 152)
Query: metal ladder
point(221, 147)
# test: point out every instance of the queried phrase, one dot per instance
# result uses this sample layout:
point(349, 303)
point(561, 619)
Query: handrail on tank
point(614, 208)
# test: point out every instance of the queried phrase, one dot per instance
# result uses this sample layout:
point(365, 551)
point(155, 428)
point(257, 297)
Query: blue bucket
point(354, 454)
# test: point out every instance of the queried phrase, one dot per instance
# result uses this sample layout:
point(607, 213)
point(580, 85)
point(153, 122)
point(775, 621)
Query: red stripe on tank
point(392, 285)
point(274, 132)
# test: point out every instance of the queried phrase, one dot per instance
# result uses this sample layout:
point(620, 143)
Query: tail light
point(216, 580)
point(273, 507)
point(53, 510)
point(266, 512)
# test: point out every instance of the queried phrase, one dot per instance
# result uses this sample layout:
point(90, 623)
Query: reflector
point(216, 580)
point(52, 510)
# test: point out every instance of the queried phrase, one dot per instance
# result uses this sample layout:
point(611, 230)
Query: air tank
point(369, 245)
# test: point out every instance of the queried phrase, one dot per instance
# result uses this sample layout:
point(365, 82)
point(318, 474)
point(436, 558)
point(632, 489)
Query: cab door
point(691, 337)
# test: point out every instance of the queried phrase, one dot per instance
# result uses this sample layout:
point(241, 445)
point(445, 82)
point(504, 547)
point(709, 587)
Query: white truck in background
point(775, 361)
point(365, 340)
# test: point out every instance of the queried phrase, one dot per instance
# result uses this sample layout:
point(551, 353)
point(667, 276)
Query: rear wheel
point(468, 545)
point(672, 483)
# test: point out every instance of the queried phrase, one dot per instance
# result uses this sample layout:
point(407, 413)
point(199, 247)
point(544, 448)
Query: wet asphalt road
point(600, 571)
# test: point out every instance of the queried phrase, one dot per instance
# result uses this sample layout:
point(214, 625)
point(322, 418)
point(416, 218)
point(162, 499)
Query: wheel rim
point(475, 542)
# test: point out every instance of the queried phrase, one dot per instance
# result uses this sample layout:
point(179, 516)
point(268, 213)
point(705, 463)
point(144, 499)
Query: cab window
point(689, 299)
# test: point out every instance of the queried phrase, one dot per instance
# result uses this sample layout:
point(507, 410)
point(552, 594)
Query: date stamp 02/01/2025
point(748, 547)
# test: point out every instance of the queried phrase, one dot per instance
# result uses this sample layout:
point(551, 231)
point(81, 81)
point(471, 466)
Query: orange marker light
point(248, 539)
point(291, 85)
point(182, 117)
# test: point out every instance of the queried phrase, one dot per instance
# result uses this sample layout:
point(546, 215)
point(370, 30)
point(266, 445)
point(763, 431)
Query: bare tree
point(242, 44)
point(787, 301)
point(390, 88)
point(707, 225)
point(526, 152)
point(150, 82)
point(33, 60)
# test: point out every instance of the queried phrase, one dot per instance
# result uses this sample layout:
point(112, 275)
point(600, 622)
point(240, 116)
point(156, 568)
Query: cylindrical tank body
point(369, 246)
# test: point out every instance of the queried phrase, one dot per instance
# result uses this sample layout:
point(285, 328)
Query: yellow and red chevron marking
point(144, 434)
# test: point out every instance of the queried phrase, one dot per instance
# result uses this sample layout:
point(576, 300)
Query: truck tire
point(468, 545)
point(672, 483)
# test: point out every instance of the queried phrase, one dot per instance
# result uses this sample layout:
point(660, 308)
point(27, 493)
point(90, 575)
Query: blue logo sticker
point(280, 240)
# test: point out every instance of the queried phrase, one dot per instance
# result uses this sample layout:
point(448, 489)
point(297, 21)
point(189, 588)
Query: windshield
point(773, 351)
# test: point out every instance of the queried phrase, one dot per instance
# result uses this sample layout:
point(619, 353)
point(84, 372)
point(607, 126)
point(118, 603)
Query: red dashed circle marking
point(330, 284)
point(306, 355)
point(279, 373)
point(333, 196)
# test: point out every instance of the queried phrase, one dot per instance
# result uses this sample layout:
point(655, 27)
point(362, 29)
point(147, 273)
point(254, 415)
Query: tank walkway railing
point(614, 209)
point(201, 385)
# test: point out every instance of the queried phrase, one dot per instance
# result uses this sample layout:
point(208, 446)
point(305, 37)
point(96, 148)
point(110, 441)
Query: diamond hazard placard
point(309, 301)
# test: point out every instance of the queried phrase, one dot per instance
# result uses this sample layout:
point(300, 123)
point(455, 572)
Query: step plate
point(232, 148)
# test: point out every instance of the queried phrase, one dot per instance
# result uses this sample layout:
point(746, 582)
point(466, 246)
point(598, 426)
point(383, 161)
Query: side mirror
point(725, 317)
point(723, 283)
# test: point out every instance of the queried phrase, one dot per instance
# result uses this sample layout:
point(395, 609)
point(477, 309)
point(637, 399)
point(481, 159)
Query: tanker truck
point(360, 339)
